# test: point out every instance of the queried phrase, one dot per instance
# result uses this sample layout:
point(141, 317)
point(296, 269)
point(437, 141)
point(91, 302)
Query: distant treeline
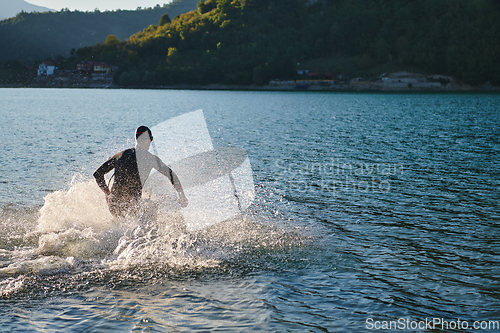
point(254, 41)
point(30, 36)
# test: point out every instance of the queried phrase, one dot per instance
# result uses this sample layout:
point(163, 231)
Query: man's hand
point(183, 201)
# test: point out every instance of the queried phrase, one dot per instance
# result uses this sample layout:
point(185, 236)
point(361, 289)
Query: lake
point(373, 211)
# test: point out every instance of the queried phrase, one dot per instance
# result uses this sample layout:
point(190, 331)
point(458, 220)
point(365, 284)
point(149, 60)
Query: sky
point(102, 5)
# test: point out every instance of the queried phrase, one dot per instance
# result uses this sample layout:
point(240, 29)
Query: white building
point(46, 68)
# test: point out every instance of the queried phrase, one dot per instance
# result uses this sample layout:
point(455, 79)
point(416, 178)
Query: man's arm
point(101, 171)
point(170, 174)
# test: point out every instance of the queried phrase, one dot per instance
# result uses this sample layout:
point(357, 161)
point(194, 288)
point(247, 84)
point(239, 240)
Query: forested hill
point(252, 41)
point(30, 36)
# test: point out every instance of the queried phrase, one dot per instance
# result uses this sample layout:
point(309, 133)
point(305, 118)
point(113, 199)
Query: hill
point(254, 41)
point(245, 42)
point(10, 8)
point(30, 36)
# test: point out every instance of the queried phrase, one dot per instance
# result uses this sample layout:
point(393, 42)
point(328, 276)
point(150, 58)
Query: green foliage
point(206, 6)
point(125, 79)
point(253, 41)
point(164, 19)
point(41, 35)
point(13, 72)
point(112, 42)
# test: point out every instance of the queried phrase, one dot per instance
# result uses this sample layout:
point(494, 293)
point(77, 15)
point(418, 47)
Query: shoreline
point(365, 86)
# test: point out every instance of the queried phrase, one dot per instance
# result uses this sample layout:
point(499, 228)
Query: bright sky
point(102, 5)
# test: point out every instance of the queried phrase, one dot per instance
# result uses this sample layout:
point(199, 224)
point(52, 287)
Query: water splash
point(74, 235)
point(10, 286)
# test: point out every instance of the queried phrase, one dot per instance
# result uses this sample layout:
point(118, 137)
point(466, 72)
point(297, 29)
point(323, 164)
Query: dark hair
point(143, 129)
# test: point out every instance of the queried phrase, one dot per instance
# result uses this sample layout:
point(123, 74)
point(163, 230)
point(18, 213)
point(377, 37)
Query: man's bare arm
point(170, 174)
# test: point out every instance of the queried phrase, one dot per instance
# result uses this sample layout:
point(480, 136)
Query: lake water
point(371, 209)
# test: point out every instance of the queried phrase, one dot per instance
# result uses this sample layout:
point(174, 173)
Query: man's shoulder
point(148, 156)
point(125, 152)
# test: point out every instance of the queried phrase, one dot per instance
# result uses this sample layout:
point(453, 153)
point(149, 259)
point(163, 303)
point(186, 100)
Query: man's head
point(143, 136)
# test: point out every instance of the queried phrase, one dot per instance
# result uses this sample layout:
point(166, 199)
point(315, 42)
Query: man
point(132, 168)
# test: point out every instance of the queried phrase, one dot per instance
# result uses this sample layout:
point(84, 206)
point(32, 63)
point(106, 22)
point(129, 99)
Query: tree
point(257, 75)
point(112, 41)
point(206, 6)
point(124, 79)
point(164, 19)
point(148, 77)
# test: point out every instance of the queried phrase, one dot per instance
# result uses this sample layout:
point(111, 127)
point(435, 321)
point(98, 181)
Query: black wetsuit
point(132, 168)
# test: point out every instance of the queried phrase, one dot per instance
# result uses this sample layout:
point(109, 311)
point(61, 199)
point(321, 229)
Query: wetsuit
point(132, 168)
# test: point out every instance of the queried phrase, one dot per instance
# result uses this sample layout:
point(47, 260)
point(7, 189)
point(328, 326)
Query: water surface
point(369, 207)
